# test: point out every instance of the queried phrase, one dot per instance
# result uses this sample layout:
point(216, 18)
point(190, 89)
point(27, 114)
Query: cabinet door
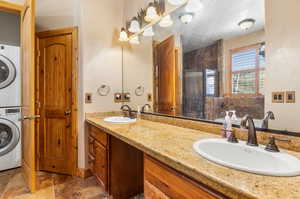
point(100, 164)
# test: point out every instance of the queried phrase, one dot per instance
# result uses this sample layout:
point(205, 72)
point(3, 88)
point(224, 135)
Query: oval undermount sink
point(246, 158)
point(119, 120)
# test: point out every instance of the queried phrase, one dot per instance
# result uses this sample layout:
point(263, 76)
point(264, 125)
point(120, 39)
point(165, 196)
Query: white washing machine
point(10, 78)
point(10, 138)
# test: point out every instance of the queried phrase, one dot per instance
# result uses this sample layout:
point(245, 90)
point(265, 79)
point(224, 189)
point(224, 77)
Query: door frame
point(11, 7)
point(74, 115)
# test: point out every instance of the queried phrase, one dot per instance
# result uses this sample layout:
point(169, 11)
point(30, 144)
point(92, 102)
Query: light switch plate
point(290, 96)
point(88, 98)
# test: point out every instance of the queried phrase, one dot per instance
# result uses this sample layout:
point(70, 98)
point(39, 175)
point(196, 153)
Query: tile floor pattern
point(50, 186)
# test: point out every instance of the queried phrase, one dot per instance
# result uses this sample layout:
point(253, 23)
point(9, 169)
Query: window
point(248, 70)
point(210, 82)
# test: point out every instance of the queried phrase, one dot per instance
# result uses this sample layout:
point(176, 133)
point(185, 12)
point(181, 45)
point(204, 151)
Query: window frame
point(257, 70)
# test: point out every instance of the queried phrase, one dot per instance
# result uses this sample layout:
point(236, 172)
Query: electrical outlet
point(278, 97)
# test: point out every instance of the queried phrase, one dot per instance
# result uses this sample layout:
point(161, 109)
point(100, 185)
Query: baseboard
point(84, 173)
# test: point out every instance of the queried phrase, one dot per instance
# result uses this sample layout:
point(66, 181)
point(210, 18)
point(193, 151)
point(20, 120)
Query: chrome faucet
point(130, 112)
point(144, 107)
point(268, 116)
point(252, 137)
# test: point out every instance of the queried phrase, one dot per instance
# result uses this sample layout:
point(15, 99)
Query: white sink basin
point(246, 158)
point(119, 120)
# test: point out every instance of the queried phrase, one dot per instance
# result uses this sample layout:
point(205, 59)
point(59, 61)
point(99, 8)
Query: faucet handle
point(272, 147)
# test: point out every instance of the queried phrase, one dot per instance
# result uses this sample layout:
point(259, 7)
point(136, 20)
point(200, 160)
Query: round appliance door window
point(7, 72)
point(9, 136)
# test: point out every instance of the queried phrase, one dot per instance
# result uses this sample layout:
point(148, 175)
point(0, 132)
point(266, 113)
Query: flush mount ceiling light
point(148, 32)
point(166, 22)
point(186, 18)
point(151, 13)
point(123, 35)
point(176, 2)
point(246, 24)
point(134, 40)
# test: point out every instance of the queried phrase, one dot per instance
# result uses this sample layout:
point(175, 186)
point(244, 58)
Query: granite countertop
point(172, 145)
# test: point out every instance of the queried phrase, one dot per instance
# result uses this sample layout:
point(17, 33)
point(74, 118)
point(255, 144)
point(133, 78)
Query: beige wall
point(100, 57)
point(54, 14)
point(234, 43)
point(283, 60)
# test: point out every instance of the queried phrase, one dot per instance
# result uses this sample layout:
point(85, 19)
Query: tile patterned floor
point(50, 186)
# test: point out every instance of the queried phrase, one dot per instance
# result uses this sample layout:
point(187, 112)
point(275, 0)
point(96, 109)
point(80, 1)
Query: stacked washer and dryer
point(10, 107)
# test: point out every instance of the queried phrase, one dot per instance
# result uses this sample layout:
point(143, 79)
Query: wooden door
point(166, 77)
point(28, 93)
point(57, 99)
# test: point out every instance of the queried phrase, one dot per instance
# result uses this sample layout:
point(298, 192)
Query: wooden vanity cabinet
point(117, 166)
point(163, 182)
point(98, 155)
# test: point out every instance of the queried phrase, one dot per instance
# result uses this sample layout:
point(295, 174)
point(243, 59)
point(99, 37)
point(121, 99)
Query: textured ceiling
point(217, 19)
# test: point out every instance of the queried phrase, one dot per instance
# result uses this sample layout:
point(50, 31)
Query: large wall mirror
point(213, 56)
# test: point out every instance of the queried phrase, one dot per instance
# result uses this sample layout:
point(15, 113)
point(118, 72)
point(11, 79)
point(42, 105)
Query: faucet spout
point(128, 109)
point(252, 137)
point(268, 116)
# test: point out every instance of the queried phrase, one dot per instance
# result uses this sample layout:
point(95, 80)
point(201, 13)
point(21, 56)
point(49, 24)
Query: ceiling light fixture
point(134, 40)
point(246, 24)
point(151, 13)
point(186, 18)
point(123, 35)
point(194, 6)
point(148, 32)
point(176, 2)
point(166, 22)
point(134, 25)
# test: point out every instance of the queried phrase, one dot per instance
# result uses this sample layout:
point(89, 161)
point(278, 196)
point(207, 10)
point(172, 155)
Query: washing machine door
point(9, 136)
point(7, 72)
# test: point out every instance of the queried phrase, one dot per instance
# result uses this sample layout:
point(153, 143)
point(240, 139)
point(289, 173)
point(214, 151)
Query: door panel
point(166, 63)
point(55, 94)
point(28, 93)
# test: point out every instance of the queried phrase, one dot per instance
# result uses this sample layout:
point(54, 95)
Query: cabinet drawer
point(172, 184)
point(100, 166)
point(91, 146)
point(99, 135)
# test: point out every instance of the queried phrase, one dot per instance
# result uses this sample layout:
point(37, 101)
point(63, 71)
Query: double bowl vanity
point(130, 156)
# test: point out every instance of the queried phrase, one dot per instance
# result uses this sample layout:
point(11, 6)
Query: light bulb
point(148, 32)
point(186, 18)
point(123, 35)
point(134, 26)
point(151, 13)
point(166, 21)
point(176, 2)
point(134, 40)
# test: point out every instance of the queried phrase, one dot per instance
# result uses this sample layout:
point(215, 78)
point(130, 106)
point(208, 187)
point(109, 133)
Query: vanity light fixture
point(151, 13)
point(134, 40)
point(166, 22)
point(134, 25)
point(176, 2)
point(123, 35)
point(186, 18)
point(246, 24)
point(148, 32)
